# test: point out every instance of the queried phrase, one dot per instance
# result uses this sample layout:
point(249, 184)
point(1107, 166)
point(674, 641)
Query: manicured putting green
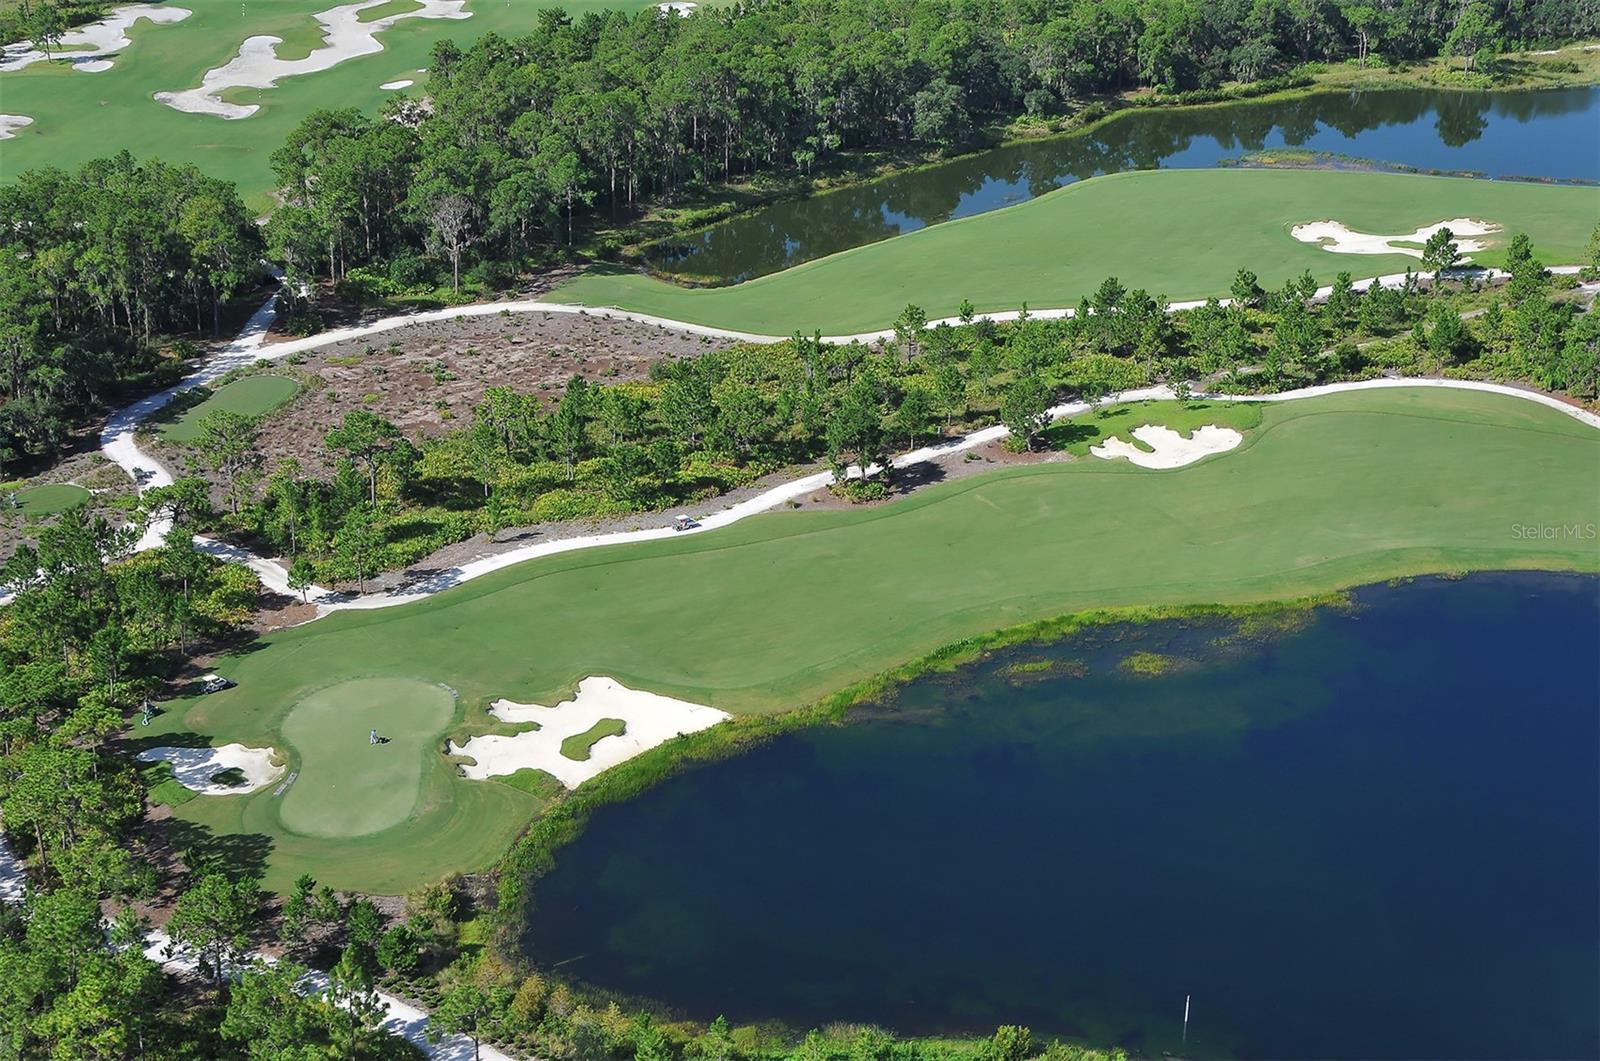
point(348, 786)
point(578, 746)
point(1181, 233)
point(251, 396)
point(780, 609)
point(51, 498)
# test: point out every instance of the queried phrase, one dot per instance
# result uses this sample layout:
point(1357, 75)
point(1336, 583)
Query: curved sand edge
point(84, 47)
point(1338, 238)
point(344, 37)
point(650, 718)
point(194, 767)
point(1168, 449)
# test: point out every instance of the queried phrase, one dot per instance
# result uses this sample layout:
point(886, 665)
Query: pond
point(1552, 135)
point(1372, 836)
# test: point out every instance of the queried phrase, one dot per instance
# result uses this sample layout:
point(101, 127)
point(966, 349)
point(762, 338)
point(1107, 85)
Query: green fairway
point(79, 116)
point(349, 786)
point(780, 609)
point(51, 498)
point(251, 396)
point(1181, 233)
point(578, 746)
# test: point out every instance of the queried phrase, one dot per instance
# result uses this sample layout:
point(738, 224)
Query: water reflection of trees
point(786, 234)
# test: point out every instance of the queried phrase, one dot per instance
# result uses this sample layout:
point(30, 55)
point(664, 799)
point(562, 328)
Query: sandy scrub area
point(427, 378)
point(10, 123)
point(86, 46)
point(650, 719)
point(1335, 236)
point(1165, 448)
point(344, 37)
point(194, 768)
point(399, 1017)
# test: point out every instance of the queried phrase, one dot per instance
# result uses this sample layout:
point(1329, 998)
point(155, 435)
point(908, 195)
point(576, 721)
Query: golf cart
point(683, 523)
point(214, 683)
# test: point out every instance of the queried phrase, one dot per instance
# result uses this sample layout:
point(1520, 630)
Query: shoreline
point(534, 853)
point(636, 254)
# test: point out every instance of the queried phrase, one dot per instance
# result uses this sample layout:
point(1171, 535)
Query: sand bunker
point(10, 123)
point(390, 86)
point(1335, 236)
point(195, 767)
point(681, 8)
point(1168, 449)
point(344, 36)
point(650, 720)
point(84, 47)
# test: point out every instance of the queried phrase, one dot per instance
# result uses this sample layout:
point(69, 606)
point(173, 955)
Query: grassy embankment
point(1182, 233)
point(781, 611)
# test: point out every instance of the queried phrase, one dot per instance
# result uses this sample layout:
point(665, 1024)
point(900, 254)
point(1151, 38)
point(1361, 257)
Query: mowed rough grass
point(1181, 233)
point(79, 116)
point(50, 498)
point(578, 746)
point(779, 610)
point(251, 396)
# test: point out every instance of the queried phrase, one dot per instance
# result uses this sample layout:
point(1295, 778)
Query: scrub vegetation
point(700, 427)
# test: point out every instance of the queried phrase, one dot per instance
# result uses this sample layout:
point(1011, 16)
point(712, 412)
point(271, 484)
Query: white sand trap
point(1335, 236)
point(195, 767)
point(344, 36)
point(10, 123)
point(650, 718)
point(84, 47)
point(390, 86)
point(1168, 449)
point(681, 8)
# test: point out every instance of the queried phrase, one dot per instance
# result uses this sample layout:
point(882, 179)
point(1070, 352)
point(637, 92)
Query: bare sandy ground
point(1167, 448)
point(650, 719)
point(86, 47)
point(195, 767)
point(344, 37)
point(1335, 236)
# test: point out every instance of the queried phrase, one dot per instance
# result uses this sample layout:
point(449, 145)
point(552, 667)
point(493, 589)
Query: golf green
point(347, 785)
point(51, 498)
point(1178, 233)
point(777, 610)
point(251, 396)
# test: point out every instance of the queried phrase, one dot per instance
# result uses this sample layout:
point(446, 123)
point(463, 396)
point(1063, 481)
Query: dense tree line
point(521, 135)
point(94, 266)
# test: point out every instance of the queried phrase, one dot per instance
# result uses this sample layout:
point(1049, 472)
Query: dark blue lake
point(1551, 135)
point(1376, 835)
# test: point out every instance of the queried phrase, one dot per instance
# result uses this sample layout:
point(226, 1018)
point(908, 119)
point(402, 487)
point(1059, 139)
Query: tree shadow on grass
point(205, 850)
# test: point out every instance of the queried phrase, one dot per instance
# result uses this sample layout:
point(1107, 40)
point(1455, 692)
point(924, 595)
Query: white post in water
point(1185, 1020)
